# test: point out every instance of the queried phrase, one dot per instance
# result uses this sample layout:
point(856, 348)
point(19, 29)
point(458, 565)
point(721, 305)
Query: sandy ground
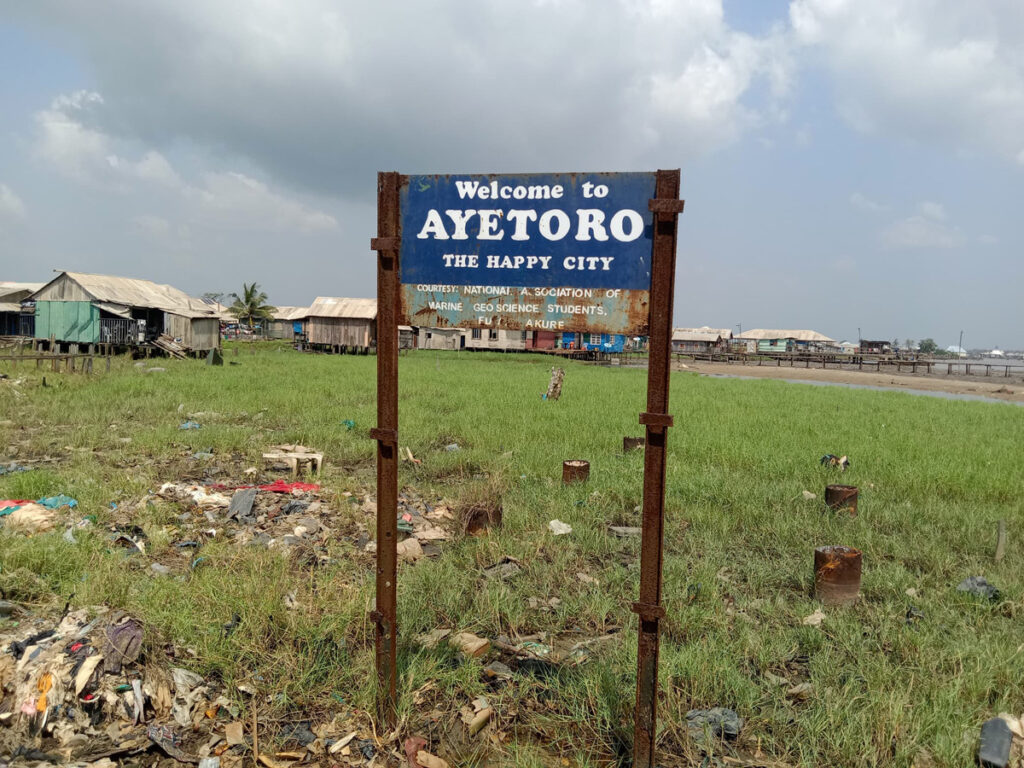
point(1010, 389)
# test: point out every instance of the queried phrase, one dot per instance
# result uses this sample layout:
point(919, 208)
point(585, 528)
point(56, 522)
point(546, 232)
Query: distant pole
point(859, 336)
point(960, 346)
point(739, 327)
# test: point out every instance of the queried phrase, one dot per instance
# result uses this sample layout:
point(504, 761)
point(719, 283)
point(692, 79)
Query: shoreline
point(1010, 390)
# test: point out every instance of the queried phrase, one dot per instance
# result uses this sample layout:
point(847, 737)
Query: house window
point(594, 338)
point(429, 334)
point(524, 335)
point(492, 335)
point(476, 334)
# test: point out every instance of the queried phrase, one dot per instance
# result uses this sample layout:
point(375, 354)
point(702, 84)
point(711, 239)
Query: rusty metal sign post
point(532, 252)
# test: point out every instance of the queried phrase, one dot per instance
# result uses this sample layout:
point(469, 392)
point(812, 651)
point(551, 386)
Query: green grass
point(934, 477)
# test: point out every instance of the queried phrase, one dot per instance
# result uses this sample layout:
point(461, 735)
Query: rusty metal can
point(842, 498)
point(632, 443)
point(575, 471)
point(837, 574)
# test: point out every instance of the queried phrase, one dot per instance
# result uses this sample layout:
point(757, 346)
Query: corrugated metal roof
point(10, 289)
point(761, 334)
point(725, 333)
point(10, 306)
point(685, 334)
point(291, 313)
point(354, 309)
point(133, 292)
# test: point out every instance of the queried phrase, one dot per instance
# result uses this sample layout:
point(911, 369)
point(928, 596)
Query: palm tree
point(251, 305)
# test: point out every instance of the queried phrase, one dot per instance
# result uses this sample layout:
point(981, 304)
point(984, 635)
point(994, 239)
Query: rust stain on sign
point(597, 310)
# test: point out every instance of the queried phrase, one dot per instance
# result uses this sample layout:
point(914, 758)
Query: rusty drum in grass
point(837, 574)
point(842, 498)
point(575, 471)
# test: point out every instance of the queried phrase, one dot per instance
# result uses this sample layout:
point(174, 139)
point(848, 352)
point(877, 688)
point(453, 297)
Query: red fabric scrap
point(280, 486)
point(5, 503)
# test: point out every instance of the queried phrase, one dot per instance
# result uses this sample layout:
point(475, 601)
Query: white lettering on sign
point(475, 190)
point(625, 225)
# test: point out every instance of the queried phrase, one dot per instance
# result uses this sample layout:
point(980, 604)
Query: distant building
point(81, 308)
point(342, 324)
point(15, 319)
point(440, 338)
point(700, 340)
point(611, 343)
point(541, 339)
point(287, 323)
point(776, 340)
point(869, 347)
point(497, 339)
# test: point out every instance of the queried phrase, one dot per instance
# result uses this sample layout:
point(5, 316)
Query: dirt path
point(1009, 389)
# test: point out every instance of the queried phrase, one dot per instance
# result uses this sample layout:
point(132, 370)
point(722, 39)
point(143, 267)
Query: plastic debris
point(241, 503)
point(996, 740)
point(809, 496)
point(349, 424)
point(979, 586)
point(505, 568)
point(802, 691)
point(719, 722)
point(622, 531)
point(559, 528)
point(815, 619)
point(29, 518)
point(831, 460)
point(280, 486)
point(11, 468)
point(452, 447)
point(470, 644)
point(190, 425)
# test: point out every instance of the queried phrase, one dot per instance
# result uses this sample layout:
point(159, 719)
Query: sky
point(849, 166)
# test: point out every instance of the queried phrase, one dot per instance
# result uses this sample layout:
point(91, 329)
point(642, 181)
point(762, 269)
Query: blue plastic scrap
point(58, 501)
point(190, 425)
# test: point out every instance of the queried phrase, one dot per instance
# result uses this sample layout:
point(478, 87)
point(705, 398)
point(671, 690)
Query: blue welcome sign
point(560, 251)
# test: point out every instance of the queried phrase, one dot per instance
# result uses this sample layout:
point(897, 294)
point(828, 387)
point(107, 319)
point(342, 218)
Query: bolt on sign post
point(553, 252)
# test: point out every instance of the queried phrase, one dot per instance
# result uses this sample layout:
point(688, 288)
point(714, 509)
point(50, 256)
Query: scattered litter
point(505, 568)
point(559, 528)
point(297, 458)
point(190, 424)
point(29, 518)
point(802, 691)
point(432, 638)
point(11, 468)
point(241, 503)
point(452, 447)
point(781, 682)
point(349, 424)
point(343, 742)
point(427, 760)
point(979, 586)
point(280, 486)
point(719, 722)
point(911, 592)
point(622, 531)
point(470, 644)
point(809, 496)
point(409, 550)
point(56, 502)
point(913, 615)
point(994, 747)
point(163, 570)
point(815, 619)
point(831, 460)
point(586, 578)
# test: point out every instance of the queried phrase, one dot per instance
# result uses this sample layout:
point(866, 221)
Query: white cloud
point(321, 96)
point(858, 200)
point(925, 229)
point(929, 70)
point(11, 206)
point(234, 198)
point(94, 157)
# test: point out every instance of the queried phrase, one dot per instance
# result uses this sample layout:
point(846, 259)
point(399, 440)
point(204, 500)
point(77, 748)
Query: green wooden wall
point(77, 321)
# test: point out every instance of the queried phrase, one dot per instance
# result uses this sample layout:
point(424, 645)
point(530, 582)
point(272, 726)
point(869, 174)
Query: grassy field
point(934, 477)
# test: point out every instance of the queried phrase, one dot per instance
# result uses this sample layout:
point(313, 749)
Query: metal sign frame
point(666, 207)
